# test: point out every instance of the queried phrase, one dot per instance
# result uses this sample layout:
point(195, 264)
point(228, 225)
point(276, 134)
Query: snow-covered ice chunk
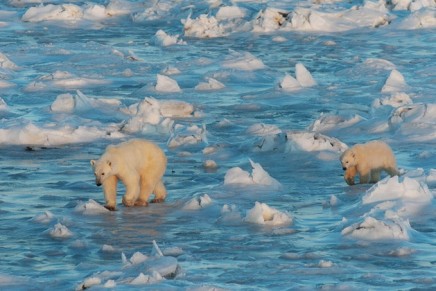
point(198, 202)
point(303, 76)
point(6, 63)
point(312, 141)
point(237, 176)
point(372, 229)
point(330, 122)
point(289, 83)
point(166, 84)
point(243, 61)
point(261, 129)
point(261, 213)
point(397, 99)
point(163, 39)
point(45, 218)
point(91, 208)
point(147, 279)
point(394, 83)
point(60, 231)
point(230, 214)
point(211, 84)
point(394, 188)
point(203, 27)
point(230, 12)
point(188, 136)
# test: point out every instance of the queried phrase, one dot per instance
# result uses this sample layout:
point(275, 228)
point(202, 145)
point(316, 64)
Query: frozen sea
point(253, 103)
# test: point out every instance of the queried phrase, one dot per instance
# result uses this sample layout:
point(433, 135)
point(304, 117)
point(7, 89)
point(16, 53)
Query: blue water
point(215, 252)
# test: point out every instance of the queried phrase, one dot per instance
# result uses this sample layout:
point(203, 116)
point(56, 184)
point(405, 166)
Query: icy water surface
point(271, 93)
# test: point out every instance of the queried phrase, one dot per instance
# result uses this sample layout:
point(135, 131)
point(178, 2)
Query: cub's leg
point(365, 176)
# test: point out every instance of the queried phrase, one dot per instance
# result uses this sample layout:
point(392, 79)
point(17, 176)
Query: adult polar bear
point(368, 160)
point(139, 164)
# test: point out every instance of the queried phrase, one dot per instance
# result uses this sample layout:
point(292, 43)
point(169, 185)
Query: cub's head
point(348, 159)
point(102, 170)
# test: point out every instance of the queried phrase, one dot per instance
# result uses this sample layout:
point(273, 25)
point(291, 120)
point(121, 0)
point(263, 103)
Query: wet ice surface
point(253, 105)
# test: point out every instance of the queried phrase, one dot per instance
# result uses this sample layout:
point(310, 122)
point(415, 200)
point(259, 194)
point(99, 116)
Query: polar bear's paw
point(141, 203)
point(157, 200)
point(110, 207)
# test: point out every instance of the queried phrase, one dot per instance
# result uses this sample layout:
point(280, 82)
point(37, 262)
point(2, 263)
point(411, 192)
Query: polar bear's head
point(102, 170)
point(348, 159)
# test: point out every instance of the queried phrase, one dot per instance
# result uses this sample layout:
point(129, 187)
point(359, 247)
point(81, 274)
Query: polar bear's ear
point(93, 162)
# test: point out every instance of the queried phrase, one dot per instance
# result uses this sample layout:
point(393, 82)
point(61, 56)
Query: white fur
point(368, 160)
point(139, 164)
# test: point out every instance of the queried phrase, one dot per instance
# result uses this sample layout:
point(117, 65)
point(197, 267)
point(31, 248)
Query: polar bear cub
point(368, 160)
point(139, 164)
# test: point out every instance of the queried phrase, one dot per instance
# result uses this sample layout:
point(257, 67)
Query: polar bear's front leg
point(349, 175)
point(110, 192)
point(132, 190)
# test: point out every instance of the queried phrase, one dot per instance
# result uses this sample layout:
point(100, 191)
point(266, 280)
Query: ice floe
point(60, 231)
point(163, 39)
point(139, 269)
point(258, 176)
point(261, 213)
point(199, 202)
point(90, 208)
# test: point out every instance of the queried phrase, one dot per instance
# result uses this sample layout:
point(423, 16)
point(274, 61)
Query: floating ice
point(90, 208)
point(243, 61)
point(424, 18)
point(261, 129)
point(303, 76)
point(394, 83)
point(6, 63)
point(312, 141)
point(147, 279)
point(258, 177)
point(198, 202)
point(393, 188)
point(395, 100)
point(50, 12)
point(261, 213)
point(52, 135)
point(230, 12)
point(3, 105)
point(329, 122)
point(166, 84)
point(157, 10)
point(372, 229)
point(63, 80)
point(289, 83)
point(163, 39)
point(60, 231)
point(45, 218)
point(230, 214)
point(211, 84)
point(187, 136)
point(203, 27)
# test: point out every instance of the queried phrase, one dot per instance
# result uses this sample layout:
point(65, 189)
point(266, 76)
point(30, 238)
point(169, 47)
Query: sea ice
point(199, 202)
point(261, 213)
point(166, 84)
point(90, 208)
point(60, 231)
point(372, 229)
point(237, 176)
